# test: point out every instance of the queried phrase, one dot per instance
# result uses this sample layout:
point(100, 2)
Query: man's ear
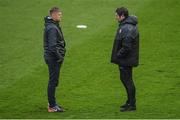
point(119, 17)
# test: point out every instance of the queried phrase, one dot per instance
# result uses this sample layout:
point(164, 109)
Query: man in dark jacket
point(125, 54)
point(54, 52)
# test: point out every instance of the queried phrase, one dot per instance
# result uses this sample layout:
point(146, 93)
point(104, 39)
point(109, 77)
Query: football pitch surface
point(89, 84)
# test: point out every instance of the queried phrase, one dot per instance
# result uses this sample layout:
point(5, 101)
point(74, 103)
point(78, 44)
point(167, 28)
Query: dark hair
point(54, 9)
point(122, 11)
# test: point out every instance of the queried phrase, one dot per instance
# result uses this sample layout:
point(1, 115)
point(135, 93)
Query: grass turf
point(89, 85)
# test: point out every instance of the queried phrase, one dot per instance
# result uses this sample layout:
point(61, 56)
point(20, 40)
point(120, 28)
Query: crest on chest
point(120, 30)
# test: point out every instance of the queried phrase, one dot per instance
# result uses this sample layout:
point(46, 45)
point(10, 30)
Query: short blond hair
point(54, 9)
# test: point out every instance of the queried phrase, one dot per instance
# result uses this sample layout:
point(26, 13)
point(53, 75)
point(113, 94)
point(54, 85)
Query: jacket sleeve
point(53, 44)
point(127, 39)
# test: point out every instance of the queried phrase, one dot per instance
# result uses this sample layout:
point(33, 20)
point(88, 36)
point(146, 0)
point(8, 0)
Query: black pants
point(54, 72)
point(127, 80)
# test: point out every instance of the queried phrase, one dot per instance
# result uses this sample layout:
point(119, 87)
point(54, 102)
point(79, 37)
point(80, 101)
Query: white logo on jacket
point(120, 31)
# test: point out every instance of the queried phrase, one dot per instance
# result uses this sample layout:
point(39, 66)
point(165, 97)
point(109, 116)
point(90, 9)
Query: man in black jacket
point(125, 54)
point(54, 52)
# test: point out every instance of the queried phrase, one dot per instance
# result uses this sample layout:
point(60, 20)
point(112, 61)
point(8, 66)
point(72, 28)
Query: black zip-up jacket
point(125, 50)
point(54, 43)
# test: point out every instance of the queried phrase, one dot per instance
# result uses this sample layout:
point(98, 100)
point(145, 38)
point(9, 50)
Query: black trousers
point(127, 80)
point(54, 73)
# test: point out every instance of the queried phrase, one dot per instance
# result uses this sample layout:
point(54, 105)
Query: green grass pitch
point(89, 85)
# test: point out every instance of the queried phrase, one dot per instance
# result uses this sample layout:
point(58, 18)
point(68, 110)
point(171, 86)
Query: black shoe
point(123, 106)
point(128, 108)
